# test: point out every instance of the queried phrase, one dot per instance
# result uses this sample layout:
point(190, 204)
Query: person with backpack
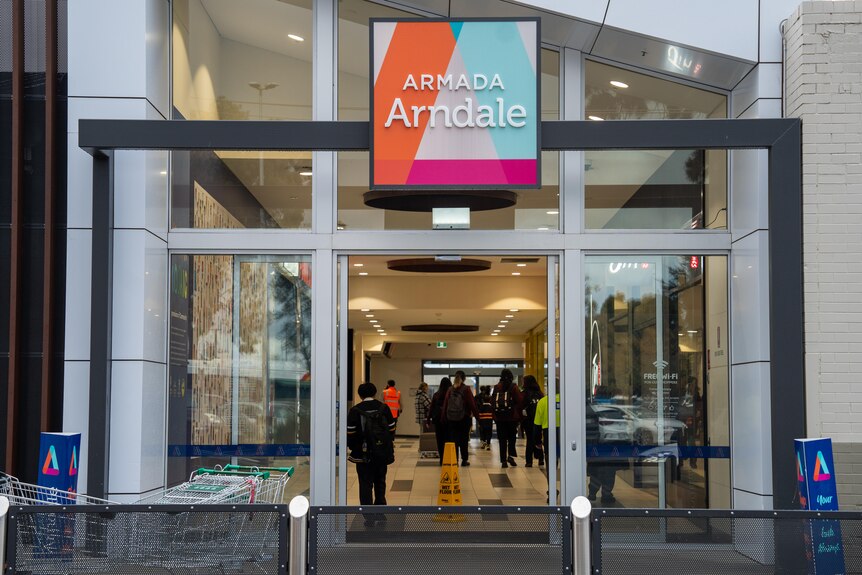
point(436, 412)
point(506, 400)
point(531, 396)
point(370, 441)
point(486, 417)
point(459, 408)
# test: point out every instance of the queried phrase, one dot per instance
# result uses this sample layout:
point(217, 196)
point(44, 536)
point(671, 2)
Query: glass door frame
point(554, 288)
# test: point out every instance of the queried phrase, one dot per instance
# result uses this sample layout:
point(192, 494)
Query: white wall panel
point(76, 411)
point(137, 427)
point(745, 500)
point(749, 299)
point(107, 48)
point(158, 51)
point(140, 294)
point(78, 281)
point(80, 163)
point(728, 27)
point(751, 442)
point(763, 82)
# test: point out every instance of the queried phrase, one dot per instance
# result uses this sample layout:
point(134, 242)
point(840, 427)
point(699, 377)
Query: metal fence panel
point(492, 540)
point(694, 542)
point(148, 539)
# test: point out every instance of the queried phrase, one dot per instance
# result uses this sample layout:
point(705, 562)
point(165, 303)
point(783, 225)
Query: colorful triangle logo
point(73, 463)
point(821, 472)
point(50, 466)
point(799, 476)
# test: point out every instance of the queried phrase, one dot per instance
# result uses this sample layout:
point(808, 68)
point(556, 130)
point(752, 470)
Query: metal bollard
point(297, 555)
point(4, 510)
point(581, 509)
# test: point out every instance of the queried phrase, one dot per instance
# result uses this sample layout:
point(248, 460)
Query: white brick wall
point(823, 86)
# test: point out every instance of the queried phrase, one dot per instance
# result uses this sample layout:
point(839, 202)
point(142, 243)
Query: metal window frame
point(782, 138)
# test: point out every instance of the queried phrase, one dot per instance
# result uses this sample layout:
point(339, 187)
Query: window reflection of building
point(652, 409)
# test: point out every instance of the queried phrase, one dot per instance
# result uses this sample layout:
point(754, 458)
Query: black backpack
point(455, 408)
point(377, 444)
point(503, 403)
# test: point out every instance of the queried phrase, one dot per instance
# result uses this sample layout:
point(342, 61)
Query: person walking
point(423, 407)
point(532, 395)
point(459, 408)
point(486, 417)
point(506, 400)
point(436, 413)
point(392, 398)
point(370, 433)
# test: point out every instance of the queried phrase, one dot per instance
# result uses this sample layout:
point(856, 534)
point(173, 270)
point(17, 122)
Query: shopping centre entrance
point(417, 320)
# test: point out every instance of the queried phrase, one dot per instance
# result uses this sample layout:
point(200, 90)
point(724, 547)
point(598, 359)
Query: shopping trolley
point(193, 540)
point(20, 493)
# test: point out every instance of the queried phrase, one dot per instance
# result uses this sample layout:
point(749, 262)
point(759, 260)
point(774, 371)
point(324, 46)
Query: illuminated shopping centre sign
point(455, 104)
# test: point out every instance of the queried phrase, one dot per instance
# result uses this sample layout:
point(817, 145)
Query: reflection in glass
point(652, 189)
point(240, 364)
point(236, 189)
point(657, 422)
point(534, 210)
point(248, 60)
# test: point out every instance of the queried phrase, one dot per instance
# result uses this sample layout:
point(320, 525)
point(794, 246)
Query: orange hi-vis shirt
point(392, 398)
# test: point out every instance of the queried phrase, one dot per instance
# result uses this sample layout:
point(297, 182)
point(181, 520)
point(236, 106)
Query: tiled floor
point(415, 481)
point(412, 480)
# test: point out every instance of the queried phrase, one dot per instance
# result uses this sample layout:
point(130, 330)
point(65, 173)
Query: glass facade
point(657, 419)
point(651, 189)
point(655, 380)
point(240, 364)
point(242, 61)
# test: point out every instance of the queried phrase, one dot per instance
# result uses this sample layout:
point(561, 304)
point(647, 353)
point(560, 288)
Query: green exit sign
point(442, 345)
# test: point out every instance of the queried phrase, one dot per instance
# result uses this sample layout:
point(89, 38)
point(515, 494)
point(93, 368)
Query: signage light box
point(455, 104)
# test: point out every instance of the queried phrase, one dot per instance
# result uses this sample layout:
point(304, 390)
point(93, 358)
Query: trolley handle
point(205, 471)
point(250, 468)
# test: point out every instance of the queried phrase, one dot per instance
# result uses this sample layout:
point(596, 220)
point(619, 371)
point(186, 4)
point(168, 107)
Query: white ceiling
point(396, 299)
point(265, 24)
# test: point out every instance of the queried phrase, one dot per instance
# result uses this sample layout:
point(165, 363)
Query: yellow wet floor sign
point(450, 484)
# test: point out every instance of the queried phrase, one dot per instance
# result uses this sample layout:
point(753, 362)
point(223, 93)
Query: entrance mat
point(402, 485)
point(499, 480)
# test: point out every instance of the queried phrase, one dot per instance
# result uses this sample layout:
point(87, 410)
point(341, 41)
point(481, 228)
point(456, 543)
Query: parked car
point(645, 428)
point(614, 424)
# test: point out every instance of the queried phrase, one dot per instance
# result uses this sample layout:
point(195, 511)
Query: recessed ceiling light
point(383, 334)
point(369, 315)
point(365, 309)
point(514, 310)
point(496, 331)
point(380, 330)
point(495, 334)
point(619, 84)
point(164, 172)
point(358, 265)
point(504, 321)
point(596, 118)
point(306, 173)
point(502, 325)
point(296, 38)
point(510, 315)
point(522, 265)
point(516, 273)
point(363, 273)
point(552, 212)
point(542, 229)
